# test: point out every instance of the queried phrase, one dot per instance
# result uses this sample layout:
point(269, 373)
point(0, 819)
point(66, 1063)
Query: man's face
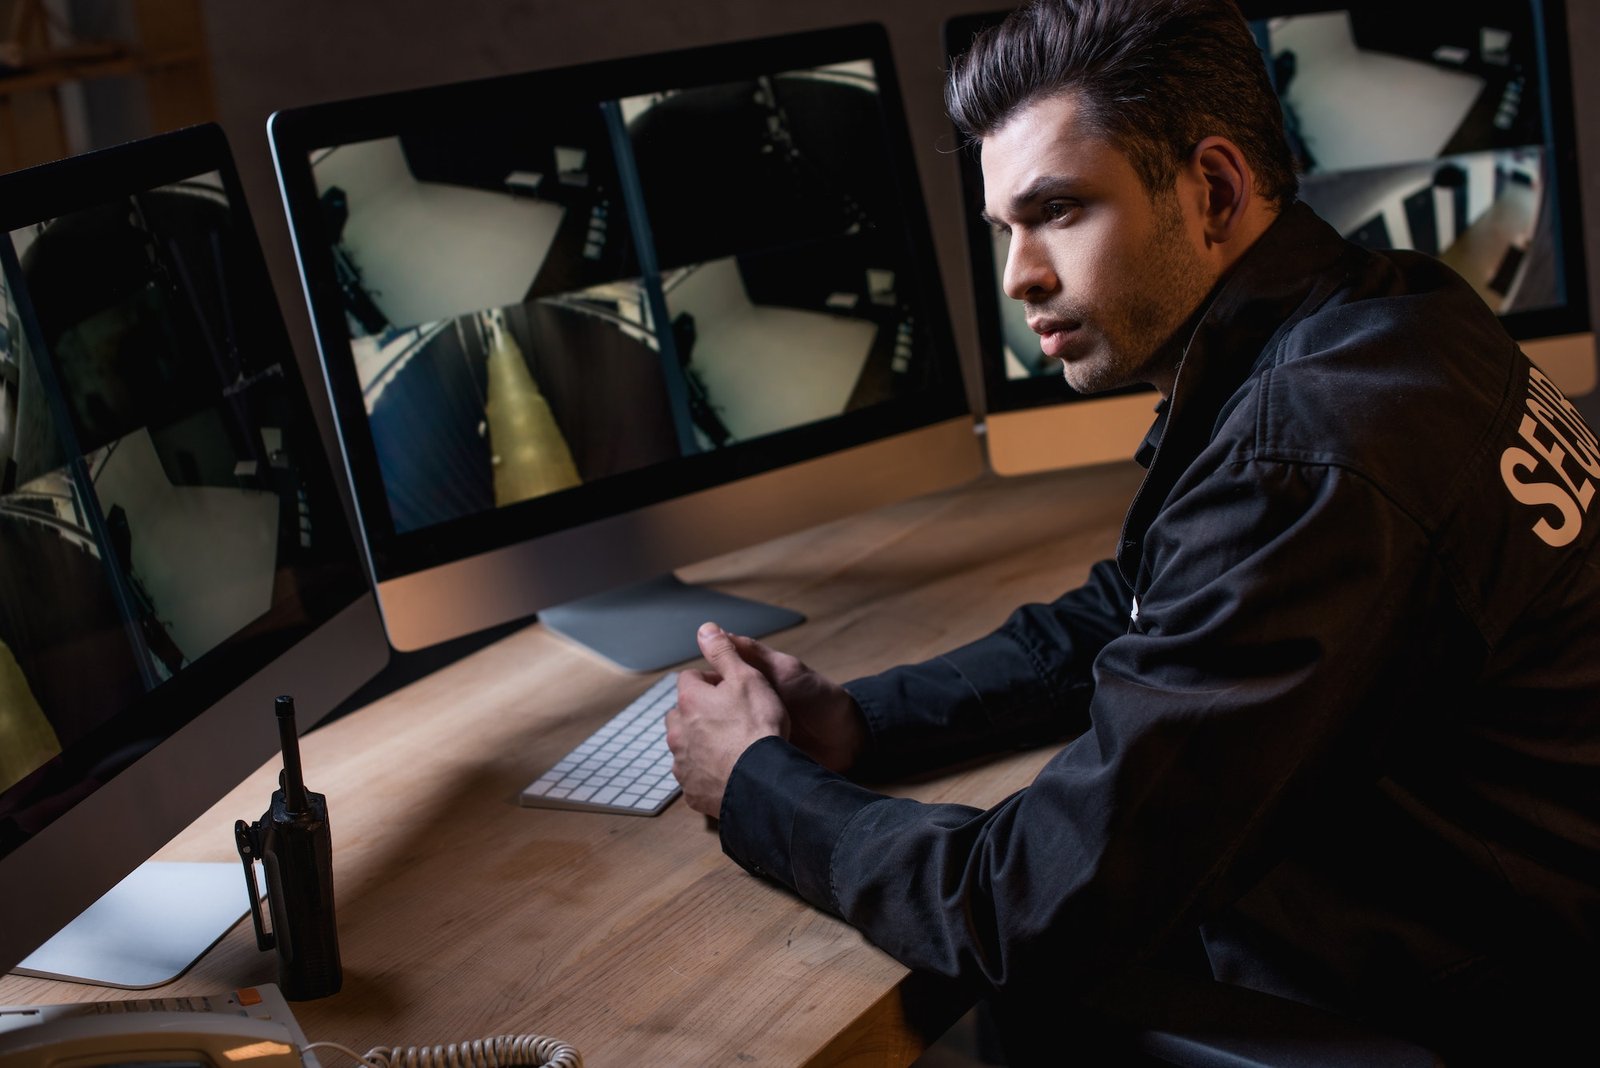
point(1107, 276)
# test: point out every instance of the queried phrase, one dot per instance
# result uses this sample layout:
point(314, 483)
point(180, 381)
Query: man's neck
point(1250, 232)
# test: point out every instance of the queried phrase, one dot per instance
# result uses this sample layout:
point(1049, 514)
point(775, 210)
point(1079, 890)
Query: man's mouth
point(1053, 334)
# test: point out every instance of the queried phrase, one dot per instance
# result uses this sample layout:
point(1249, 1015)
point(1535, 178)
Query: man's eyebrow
point(1041, 188)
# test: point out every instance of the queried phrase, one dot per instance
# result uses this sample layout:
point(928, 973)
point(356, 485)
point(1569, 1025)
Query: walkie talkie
point(292, 842)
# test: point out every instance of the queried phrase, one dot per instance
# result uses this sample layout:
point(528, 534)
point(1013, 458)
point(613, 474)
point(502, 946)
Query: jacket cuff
point(783, 813)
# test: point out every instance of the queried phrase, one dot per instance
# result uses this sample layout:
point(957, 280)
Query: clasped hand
point(751, 692)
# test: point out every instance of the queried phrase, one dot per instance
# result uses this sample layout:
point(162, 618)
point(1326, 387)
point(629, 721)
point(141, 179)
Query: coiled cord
point(501, 1051)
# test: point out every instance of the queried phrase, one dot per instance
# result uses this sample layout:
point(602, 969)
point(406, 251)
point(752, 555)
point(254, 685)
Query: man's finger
point(673, 718)
point(750, 650)
point(761, 656)
point(691, 680)
point(716, 645)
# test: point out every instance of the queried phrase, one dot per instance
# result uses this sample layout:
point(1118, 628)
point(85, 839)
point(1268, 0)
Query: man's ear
point(1229, 188)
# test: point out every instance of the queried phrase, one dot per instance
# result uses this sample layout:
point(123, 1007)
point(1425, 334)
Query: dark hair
point(1154, 77)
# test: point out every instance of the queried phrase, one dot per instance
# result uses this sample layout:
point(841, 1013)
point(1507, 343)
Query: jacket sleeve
point(1278, 593)
point(1026, 683)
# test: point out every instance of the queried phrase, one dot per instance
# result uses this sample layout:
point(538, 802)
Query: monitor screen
point(1442, 128)
point(553, 300)
point(170, 525)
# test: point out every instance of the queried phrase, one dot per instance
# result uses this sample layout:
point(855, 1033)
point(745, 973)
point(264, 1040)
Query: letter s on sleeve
point(1534, 493)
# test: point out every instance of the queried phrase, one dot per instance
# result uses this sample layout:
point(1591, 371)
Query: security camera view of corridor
point(530, 312)
point(1425, 131)
point(151, 507)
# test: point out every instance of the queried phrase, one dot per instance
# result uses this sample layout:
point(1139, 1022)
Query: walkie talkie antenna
point(294, 783)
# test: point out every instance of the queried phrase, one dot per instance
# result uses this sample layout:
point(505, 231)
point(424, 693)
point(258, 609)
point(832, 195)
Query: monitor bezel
point(216, 720)
point(297, 133)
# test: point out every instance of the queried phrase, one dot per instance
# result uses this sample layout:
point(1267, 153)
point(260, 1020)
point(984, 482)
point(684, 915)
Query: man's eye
point(1056, 209)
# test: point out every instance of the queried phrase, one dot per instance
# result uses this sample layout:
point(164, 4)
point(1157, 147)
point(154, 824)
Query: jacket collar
point(1290, 270)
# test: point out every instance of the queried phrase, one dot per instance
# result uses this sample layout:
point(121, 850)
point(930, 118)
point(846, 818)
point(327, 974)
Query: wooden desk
point(462, 914)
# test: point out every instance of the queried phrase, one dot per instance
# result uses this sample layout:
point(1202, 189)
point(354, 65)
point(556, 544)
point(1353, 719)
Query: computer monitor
point(1445, 127)
point(583, 326)
point(173, 549)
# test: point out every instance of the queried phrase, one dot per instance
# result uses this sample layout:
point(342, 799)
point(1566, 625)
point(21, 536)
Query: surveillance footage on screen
point(530, 312)
point(151, 509)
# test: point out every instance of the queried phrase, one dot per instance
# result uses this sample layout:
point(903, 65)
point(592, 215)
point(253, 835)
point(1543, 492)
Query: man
point(1338, 693)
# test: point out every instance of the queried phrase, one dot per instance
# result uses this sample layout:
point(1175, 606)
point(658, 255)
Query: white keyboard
point(624, 766)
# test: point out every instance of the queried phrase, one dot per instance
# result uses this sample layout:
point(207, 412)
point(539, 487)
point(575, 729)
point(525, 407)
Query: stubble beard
point(1137, 334)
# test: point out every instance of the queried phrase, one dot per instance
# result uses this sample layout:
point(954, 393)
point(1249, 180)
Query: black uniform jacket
point(1338, 693)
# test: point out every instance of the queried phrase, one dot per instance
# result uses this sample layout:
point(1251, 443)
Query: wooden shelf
point(48, 76)
point(163, 57)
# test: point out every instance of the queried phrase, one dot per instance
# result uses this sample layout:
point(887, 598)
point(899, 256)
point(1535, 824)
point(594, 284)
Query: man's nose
point(1028, 274)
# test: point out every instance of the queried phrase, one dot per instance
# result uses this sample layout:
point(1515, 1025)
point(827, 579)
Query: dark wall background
point(287, 53)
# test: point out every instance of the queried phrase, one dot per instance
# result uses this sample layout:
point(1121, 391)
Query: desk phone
point(252, 1027)
point(252, 1024)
